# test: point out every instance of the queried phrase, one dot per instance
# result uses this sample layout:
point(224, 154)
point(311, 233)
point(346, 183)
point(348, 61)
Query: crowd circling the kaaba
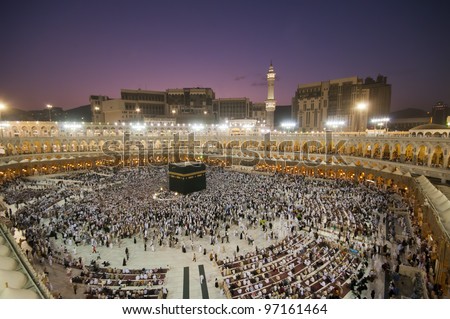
point(296, 214)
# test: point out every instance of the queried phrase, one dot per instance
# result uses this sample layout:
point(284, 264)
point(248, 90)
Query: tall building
point(238, 109)
point(96, 102)
point(138, 105)
point(258, 112)
point(187, 105)
point(440, 112)
point(334, 103)
point(134, 105)
point(190, 104)
point(317, 103)
point(232, 108)
point(379, 98)
point(144, 104)
point(271, 103)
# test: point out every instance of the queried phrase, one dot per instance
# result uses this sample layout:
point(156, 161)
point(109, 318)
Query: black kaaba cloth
point(187, 177)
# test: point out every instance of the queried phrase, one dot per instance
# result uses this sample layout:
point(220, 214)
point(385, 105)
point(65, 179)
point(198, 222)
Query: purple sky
point(59, 53)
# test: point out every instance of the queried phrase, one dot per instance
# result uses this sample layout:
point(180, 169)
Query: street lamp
point(49, 106)
point(380, 122)
point(96, 113)
point(288, 126)
point(138, 111)
point(2, 107)
point(335, 124)
point(361, 107)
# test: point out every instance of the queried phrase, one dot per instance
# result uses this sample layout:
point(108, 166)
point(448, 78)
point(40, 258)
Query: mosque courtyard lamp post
point(138, 111)
point(361, 123)
point(382, 123)
point(49, 106)
point(97, 114)
point(2, 107)
point(334, 125)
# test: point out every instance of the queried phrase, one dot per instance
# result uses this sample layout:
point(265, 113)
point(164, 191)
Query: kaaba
point(187, 177)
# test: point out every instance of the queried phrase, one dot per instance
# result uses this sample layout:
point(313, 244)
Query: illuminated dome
point(7, 263)
point(4, 251)
point(12, 279)
point(12, 293)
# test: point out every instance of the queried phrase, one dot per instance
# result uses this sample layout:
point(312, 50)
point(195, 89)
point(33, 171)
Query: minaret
point(270, 102)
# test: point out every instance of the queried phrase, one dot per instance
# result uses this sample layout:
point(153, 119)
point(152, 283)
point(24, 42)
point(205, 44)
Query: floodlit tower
point(271, 103)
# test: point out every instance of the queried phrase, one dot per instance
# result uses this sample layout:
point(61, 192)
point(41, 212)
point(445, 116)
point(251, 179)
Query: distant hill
point(77, 114)
point(408, 113)
point(13, 114)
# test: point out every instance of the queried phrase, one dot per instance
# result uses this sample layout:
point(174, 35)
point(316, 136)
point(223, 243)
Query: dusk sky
point(60, 52)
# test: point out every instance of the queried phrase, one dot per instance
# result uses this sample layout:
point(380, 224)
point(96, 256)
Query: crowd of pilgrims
point(114, 283)
point(101, 208)
point(121, 205)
